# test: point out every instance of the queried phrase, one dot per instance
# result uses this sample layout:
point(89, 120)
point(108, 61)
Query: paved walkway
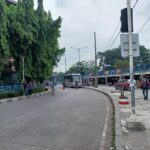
point(133, 140)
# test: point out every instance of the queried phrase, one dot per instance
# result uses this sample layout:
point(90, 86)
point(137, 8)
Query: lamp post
point(79, 48)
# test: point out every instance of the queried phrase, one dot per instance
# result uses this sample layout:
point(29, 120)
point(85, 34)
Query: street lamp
point(78, 48)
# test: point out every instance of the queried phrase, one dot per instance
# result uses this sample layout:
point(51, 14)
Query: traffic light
point(124, 20)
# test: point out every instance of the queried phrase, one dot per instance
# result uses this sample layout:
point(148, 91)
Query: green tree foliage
point(113, 57)
point(121, 64)
point(45, 50)
point(82, 67)
point(32, 34)
point(4, 46)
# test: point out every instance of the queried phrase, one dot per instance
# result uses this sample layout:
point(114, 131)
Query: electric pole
point(96, 74)
point(65, 65)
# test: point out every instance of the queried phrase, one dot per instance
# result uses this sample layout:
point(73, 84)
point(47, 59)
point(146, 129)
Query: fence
point(10, 88)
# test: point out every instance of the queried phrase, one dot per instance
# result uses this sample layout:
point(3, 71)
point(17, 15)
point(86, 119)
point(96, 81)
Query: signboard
point(124, 38)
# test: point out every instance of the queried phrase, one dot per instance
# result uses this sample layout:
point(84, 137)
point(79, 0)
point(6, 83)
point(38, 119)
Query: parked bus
point(73, 80)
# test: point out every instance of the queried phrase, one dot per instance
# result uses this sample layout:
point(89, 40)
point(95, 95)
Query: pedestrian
point(145, 86)
point(29, 88)
point(63, 85)
point(52, 87)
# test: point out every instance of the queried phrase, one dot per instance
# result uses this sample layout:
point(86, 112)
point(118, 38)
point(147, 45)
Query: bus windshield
point(73, 80)
point(76, 78)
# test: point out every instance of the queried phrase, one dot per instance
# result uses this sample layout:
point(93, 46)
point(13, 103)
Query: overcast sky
point(81, 18)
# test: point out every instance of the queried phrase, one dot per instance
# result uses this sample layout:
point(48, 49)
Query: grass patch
point(113, 130)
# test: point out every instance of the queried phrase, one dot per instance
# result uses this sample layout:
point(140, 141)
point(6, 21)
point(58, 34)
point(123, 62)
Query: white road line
point(104, 131)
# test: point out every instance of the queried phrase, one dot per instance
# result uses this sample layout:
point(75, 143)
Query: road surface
point(74, 119)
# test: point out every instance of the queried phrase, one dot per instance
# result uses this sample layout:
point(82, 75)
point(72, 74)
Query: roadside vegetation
point(4, 95)
point(111, 59)
point(29, 34)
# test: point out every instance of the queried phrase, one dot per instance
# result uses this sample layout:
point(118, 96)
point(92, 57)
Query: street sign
point(124, 39)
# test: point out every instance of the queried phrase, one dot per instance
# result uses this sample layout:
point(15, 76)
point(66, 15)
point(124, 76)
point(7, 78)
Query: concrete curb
point(118, 131)
point(9, 100)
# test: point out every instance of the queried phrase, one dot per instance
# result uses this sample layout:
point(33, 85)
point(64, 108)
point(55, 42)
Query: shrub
point(19, 93)
point(37, 90)
point(9, 94)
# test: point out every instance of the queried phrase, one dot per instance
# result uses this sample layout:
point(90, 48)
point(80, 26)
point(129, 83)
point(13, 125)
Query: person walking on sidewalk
point(145, 86)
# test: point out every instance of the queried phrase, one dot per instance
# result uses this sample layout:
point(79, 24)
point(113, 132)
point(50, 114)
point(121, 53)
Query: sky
point(81, 18)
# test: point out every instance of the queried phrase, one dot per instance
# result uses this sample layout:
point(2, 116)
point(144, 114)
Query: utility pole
point(65, 65)
point(79, 55)
point(131, 56)
point(96, 74)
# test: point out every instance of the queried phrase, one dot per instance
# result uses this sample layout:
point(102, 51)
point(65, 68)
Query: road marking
point(104, 131)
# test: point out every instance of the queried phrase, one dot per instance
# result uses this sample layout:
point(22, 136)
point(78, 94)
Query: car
point(123, 83)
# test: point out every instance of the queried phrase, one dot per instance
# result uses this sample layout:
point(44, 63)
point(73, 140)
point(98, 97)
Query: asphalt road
point(74, 119)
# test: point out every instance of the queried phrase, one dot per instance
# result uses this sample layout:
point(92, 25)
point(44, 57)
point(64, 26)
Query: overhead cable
point(135, 4)
point(112, 36)
point(144, 25)
point(119, 31)
point(114, 40)
point(96, 21)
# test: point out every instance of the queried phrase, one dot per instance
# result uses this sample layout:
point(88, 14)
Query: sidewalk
point(133, 139)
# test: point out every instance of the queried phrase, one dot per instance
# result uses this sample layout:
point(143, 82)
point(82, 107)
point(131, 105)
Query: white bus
point(73, 80)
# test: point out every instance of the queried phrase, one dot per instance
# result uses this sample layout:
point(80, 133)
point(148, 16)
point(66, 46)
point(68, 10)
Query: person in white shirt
point(134, 82)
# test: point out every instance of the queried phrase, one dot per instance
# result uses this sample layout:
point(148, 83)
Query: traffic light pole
point(131, 56)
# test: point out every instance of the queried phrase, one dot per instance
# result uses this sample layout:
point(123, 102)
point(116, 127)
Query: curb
point(9, 100)
point(118, 131)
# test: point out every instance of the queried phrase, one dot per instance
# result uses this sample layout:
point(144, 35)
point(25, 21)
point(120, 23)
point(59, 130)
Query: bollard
point(123, 98)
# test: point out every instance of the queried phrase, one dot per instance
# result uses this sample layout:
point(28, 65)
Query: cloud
point(82, 17)
point(62, 3)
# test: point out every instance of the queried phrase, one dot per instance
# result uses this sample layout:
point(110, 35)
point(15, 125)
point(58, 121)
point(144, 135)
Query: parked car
point(122, 83)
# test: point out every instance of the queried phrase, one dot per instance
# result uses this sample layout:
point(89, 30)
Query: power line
point(135, 4)
point(119, 31)
point(146, 22)
point(114, 40)
point(112, 36)
point(96, 21)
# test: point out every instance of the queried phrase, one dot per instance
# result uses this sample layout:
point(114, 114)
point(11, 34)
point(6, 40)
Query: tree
point(4, 47)
point(45, 50)
point(33, 34)
point(85, 67)
point(21, 21)
point(114, 55)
